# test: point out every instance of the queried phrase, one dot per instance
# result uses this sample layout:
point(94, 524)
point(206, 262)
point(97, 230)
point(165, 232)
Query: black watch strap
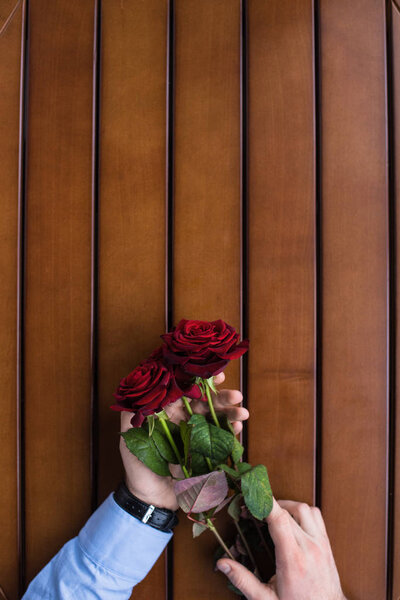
point(159, 518)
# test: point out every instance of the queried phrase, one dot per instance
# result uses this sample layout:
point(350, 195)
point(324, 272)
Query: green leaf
point(257, 492)
point(237, 451)
point(173, 427)
point(144, 448)
point(210, 440)
point(234, 474)
point(174, 430)
point(234, 508)
point(200, 494)
point(162, 414)
point(199, 528)
point(222, 504)
point(184, 429)
point(198, 464)
point(164, 447)
point(243, 467)
point(211, 385)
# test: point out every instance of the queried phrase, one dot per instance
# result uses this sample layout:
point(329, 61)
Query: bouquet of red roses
point(201, 452)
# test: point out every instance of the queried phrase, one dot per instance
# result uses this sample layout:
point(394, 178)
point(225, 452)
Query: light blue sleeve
point(110, 555)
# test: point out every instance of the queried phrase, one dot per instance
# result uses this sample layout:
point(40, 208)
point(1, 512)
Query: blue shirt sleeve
point(110, 555)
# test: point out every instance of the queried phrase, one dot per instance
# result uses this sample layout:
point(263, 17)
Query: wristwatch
point(159, 518)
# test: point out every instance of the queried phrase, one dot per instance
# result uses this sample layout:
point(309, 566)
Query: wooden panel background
point(224, 158)
point(355, 294)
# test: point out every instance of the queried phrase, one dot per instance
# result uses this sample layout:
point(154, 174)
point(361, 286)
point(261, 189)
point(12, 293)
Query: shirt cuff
point(119, 542)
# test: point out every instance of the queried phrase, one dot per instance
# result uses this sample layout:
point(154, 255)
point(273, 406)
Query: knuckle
point(303, 508)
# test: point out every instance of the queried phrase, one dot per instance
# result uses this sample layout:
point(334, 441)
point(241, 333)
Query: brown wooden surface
point(206, 284)
point(355, 263)
point(281, 245)
point(10, 73)
point(396, 131)
point(57, 336)
point(131, 217)
point(207, 212)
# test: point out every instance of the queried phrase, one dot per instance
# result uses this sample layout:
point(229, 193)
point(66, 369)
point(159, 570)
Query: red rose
point(202, 348)
point(184, 381)
point(147, 389)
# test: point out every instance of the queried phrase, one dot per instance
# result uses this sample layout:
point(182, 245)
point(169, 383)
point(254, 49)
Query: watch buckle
point(148, 513)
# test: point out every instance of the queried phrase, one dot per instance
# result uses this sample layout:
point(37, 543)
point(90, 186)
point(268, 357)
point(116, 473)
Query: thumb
point(244, 580)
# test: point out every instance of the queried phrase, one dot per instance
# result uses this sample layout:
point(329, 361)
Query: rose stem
point(173, 445)
point(211, 406)
point(262, 539)
point(187, 405)
point(212, 528)
point(249, 552)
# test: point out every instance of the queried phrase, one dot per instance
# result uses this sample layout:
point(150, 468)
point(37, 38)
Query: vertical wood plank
point(207, 211)
point(58, 260)
point(11, 24)
point(396, 147)
point(355, 269)
point(281, 209)
point(131, 216)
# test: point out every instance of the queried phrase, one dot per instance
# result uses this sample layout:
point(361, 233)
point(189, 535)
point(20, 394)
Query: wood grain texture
point(10, 74)
point(282, 245)
point(58, 288)
point(131, 217)
point(396, 132)
point(207, 213)
point(355, 293)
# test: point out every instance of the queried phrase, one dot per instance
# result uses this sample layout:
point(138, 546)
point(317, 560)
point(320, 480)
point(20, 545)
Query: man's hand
point(153, 488)
point(305, 568)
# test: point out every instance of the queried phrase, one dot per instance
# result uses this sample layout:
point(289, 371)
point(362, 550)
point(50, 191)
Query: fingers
point(175, 411)
point(235, 413)
point(219, 378)
point(284, 535)
point(227, 397)
point(244, 580)
point(237, 427)
point(225, 402)
point(126, 420)
point(308, 517)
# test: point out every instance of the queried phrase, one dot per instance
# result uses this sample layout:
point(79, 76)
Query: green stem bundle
point(212, 528)
point(210, 405)
point(174, 446)
point(187, 405)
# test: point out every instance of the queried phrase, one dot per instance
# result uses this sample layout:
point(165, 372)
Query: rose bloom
point(184, 381)
point(147, 389)
point(202, 348)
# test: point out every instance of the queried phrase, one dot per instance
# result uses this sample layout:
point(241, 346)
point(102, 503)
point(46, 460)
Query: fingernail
point(224, 567)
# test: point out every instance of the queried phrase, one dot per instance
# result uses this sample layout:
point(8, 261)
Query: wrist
point(160, 518)
point(156, 498)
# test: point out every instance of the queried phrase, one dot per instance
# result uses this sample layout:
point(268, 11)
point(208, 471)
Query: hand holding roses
point(156, 489)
